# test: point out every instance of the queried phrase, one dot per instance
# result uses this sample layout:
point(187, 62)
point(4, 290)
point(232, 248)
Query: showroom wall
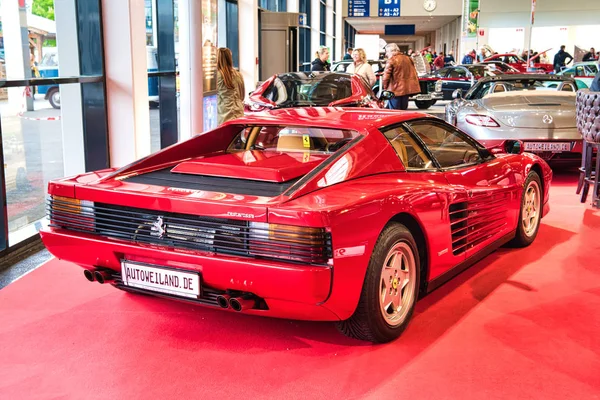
point(447, 38)
point(505, 25)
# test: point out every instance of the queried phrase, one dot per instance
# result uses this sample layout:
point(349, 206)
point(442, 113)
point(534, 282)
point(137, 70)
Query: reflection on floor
point(520, 324)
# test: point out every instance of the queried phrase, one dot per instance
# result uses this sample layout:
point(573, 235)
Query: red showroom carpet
point(521, 324)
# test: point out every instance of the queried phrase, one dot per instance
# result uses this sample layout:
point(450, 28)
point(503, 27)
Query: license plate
point(548, 146)
point(423, 97)
point(164, 280)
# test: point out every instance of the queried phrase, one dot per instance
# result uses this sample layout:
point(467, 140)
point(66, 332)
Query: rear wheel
point(424, 104)
point(530, 215)
point(390, 288)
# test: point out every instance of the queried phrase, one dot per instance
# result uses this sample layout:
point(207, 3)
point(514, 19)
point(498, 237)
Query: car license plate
point(548, 146)
point(164, 280)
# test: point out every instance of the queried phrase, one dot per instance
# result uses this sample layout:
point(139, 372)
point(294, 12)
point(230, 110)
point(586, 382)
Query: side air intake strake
point(222, 236)
point(476, 220)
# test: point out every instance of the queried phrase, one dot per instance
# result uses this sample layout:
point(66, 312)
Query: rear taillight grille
point(185, 231)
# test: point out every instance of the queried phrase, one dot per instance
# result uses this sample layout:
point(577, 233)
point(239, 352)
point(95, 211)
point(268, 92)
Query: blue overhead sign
point(358, 8)
point(389, 8)
point(302, 19)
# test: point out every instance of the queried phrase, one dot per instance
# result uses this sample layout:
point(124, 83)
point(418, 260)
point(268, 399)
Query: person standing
point(560, 59)
point(320, 63)
point(230, 88)
point(428, 56)
point(399, 77)
point(590, 56)
point(481, 57)
point(348, 55)
point(449, 59)
point(438, 63)
point(468, 58)
point(361, 67)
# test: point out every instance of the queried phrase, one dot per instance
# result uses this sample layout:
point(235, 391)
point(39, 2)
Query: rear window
point(290, 90)
point(291, 139)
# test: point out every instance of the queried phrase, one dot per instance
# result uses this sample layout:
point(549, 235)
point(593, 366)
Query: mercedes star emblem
point(547, 119)
point(158, 227)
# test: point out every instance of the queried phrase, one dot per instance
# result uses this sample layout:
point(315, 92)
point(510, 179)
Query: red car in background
point(343, 215)
point(519, 63)
point(316, 89)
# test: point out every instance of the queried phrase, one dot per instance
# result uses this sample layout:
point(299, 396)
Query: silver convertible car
point(537, 109)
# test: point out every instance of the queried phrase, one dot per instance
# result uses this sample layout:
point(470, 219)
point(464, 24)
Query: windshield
point(293, 90)
point(514, 85)
point(49, 60)
point(287, 139)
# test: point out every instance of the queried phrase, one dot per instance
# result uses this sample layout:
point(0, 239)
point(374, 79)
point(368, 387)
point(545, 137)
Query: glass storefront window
point(32, 143)
point(163, 67)
point(42, 124)
point(304, 37)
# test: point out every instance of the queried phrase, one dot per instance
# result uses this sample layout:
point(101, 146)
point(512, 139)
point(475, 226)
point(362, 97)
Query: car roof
point(515, 77)
point(357, 119)
point(351, 61)
point(314, 76)
point(503, 55)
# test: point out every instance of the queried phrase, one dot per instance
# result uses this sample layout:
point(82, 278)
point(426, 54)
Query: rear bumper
point(289, 290)
point(491, 137)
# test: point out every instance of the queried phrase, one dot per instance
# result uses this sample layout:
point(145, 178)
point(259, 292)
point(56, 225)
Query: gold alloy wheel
point(531, 208)
point(397, 284)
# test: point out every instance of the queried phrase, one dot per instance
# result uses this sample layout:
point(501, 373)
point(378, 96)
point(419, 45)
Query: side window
point(409, 151)
point(446, 145)
point(341, 67)
point(441, 73)
point(457, 73)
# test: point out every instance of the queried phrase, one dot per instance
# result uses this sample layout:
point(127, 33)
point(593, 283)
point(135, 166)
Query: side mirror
point(513, 146)
point(457, 94)
point(386, 95)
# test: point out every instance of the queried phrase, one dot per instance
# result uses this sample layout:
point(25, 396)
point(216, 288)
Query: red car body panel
point(353, 195)
point(256, 165)
point(522, 64)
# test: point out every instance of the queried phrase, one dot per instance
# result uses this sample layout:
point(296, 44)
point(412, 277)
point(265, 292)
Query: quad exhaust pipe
point(98, 275)
point(238, 304)
point(103, 276)
point(242, 303)
point(223, 300)
point(89, 275)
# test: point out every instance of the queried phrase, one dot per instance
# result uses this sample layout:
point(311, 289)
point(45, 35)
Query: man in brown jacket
point(400, 77)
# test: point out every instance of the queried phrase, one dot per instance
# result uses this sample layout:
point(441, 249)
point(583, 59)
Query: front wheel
point(424, 104)
point(530, 214)
point(54, 98)
point(390, 288)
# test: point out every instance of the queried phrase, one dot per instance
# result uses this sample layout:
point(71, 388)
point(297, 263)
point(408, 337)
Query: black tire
point(54, 98)
point(522, 238)
point(424, 104)
point(367, 322)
